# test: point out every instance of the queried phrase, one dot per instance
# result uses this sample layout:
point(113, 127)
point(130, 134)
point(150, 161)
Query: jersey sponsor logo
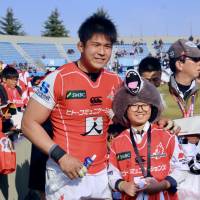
point(94, 126)
point(43, 96)
point(123, 155)
point(159, 152)
point(76, 94)
point(44, 88)
point(138, 171)
point(43, 91)
point(86, 112)
point(96, 100)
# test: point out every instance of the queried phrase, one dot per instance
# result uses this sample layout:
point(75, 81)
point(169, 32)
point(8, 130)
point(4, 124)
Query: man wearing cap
point(183, 101)
point(184, 58)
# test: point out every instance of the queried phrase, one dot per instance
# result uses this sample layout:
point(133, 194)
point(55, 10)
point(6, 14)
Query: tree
point(54, 27)
point(10, 25)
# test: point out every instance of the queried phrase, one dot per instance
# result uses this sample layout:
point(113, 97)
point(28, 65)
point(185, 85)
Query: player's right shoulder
point(56, 75)
point(51, 78)
point(66, 68)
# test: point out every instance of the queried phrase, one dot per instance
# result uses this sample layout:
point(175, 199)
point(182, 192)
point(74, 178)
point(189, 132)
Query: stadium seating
point(32, 49)
point(72, 52)
point(166, 47)
point(8, 54)
point(40, 50)
point(137, 52)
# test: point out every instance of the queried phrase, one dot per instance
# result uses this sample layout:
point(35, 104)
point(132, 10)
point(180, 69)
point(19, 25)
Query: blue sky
point(132, 17)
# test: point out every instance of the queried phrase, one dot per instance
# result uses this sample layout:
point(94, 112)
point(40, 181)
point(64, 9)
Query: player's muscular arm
point(34, 116)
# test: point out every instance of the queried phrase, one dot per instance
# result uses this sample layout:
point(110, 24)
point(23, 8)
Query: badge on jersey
point(96, 101)
point(159, 152)
point(44, 87)
point(94, 126)
point(76, 94)
point(43, 91)
point(123, 155)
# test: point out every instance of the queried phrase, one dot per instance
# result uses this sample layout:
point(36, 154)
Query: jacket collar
point(174, 87)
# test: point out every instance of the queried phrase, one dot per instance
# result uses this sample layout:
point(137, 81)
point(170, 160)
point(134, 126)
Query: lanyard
point(190, 111)
point(138, 157)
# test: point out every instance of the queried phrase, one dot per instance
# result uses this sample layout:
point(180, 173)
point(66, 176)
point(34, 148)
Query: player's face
point(95, 53)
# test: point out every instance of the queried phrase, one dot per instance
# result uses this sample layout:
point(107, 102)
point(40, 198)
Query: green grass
point(171, 110)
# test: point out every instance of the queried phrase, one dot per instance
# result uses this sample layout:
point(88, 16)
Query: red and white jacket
point(14, 96)
point(24, 83)
point(165, 150)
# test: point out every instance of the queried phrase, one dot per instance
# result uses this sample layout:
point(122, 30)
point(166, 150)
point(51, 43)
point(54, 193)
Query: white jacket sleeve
point(179, 164)
point(178, 159)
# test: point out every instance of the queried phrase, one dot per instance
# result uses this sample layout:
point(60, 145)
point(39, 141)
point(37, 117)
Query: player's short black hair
point(97, 23)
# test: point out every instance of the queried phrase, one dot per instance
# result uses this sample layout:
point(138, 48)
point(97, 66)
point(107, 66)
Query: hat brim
point(189, 125)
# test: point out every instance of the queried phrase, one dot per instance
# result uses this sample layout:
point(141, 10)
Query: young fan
point(140, 156)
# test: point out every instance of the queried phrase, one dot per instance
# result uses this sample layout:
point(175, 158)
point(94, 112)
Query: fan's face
point(154, 77)
point(11, 82)
point(139, 113)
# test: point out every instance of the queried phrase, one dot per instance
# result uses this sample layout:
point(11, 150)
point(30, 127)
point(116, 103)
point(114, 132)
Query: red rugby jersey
point(79, 111)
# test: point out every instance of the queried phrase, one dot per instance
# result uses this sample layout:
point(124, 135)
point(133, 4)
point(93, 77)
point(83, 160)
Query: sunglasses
point(193, 59)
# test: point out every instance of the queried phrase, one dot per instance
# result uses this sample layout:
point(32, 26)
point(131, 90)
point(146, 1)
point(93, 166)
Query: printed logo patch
point(44, 88)
point(159, 152)
point(76, 94)
point(94, 126)
point(43, 93)
point(96, 100)
point(124, 155)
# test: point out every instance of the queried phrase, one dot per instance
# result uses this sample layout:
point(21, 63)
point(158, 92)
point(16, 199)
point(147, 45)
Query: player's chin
point(99, 66)
point(100, 62)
